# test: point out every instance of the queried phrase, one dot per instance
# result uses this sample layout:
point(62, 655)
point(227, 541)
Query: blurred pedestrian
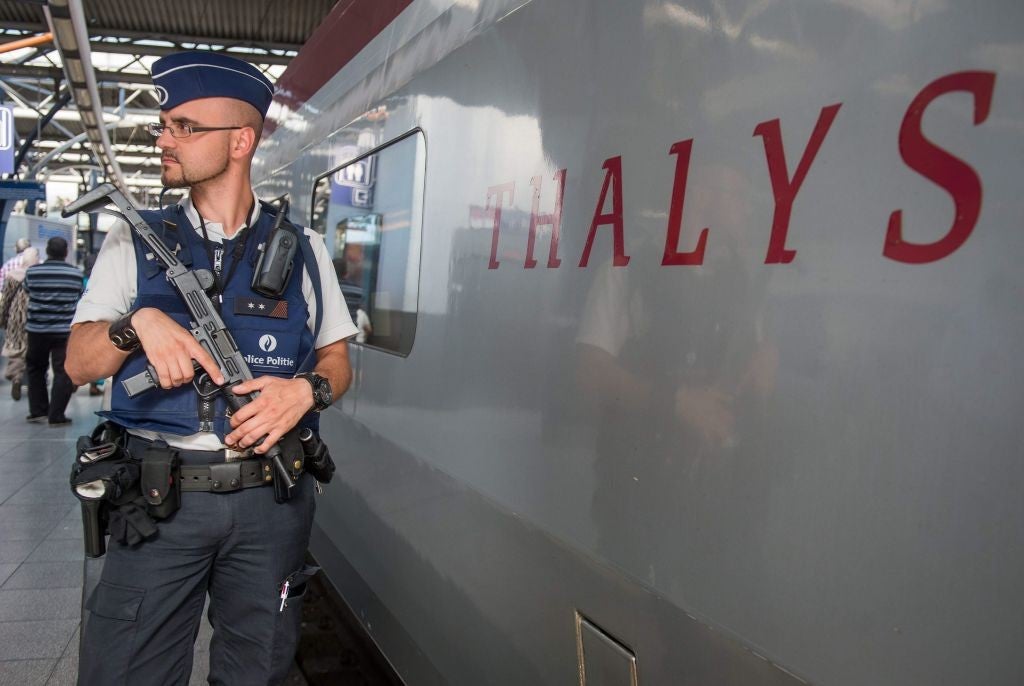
point(54, 289)
point(13, 308)
point(20, 246)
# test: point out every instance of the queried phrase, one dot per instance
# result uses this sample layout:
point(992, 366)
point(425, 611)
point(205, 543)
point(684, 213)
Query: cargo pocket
point(109, 639)
point(289, 620)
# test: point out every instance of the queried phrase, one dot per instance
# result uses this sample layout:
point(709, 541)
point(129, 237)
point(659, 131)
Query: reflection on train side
point(368, 211)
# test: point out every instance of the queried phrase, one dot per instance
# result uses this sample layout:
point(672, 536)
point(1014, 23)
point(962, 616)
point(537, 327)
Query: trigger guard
point(204, 386)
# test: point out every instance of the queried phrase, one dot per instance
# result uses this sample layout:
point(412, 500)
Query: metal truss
point(101, 136)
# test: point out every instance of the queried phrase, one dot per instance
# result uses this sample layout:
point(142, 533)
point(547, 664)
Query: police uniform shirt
point(112, 290)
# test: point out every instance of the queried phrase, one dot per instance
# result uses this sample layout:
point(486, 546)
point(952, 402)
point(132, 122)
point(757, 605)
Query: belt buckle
point(225, 477)
point(236, 455)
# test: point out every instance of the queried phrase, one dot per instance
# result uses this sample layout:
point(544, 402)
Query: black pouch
point(292, 453)
point(159, 480)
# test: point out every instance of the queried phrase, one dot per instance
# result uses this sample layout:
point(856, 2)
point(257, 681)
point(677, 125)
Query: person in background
point(13, 308)
point(349, 280)
point(54, 289)
point(20, 246)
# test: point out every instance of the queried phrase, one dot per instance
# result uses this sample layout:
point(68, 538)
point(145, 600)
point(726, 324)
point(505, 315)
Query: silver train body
point(789, 451)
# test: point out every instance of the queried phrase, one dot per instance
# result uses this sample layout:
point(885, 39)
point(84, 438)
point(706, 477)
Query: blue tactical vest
point(272, 334)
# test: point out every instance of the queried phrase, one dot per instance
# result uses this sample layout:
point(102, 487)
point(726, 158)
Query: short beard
point(187, 181)
point(168, 182)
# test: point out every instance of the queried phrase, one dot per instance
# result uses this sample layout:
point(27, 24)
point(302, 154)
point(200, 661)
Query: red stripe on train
point(348, 28)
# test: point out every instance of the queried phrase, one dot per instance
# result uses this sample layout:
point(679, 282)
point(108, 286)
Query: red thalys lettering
point(672, 255)
point(612, 179)
point(954, 175)
point(554, 220)
point(948, 172)
point(498, 192)
point(784, 188)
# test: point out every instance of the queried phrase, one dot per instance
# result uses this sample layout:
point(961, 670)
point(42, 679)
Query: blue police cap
point(186, 76)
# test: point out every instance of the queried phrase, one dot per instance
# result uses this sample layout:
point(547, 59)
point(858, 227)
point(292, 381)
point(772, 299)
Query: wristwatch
point(122, 334)
point(322, 394)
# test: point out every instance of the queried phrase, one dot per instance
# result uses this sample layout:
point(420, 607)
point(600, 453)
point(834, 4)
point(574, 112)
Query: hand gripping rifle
point(207, 326)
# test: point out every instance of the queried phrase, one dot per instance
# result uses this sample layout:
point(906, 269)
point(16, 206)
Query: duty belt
point(137, 445)
point(215, 475)
point(224, 477)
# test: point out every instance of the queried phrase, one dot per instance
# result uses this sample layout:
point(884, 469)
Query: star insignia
point(251, 306)
point(262, 306)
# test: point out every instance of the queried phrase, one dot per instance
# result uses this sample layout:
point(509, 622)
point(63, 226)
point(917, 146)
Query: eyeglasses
point(157, 129)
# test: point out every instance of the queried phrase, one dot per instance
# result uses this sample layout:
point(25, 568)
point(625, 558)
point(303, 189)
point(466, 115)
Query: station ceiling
point(125, 37)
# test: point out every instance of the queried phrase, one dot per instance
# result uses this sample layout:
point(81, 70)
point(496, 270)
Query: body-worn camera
point(277, 257)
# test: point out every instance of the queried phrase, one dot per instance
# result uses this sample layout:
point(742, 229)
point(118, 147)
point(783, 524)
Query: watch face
point(322, 395)
point(323, 392)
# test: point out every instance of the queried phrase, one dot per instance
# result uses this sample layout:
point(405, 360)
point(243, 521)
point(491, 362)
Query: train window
point(369, 213)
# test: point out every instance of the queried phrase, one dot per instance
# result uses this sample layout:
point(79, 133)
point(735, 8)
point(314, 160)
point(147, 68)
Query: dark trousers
point(238, 547)
point(43, 350)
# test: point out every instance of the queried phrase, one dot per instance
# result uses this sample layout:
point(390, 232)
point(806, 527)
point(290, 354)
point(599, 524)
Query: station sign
point(8, 139)
point(352, 185)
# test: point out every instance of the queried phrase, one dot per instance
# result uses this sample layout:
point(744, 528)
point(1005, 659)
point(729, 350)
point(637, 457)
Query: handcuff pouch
point(159, 480)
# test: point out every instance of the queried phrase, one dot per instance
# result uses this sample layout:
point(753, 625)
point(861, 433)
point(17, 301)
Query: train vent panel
point(603, 661)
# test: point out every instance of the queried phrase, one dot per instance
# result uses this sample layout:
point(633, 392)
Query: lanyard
point(216, 255)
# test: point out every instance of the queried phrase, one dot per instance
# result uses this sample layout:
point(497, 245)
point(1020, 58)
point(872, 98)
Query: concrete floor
point(40, 545)
point(41, 550)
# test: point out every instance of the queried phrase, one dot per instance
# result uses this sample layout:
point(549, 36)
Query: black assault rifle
point(207, 326)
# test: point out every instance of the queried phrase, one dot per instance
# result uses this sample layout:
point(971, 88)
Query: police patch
point(262, 307)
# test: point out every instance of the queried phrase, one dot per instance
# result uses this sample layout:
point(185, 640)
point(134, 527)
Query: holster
point(107, 480)
point(98, 475)
point(94, 527)
point(159, 480)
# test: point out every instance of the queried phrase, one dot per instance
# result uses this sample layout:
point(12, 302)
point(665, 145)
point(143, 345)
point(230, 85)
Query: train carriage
point(689, 335)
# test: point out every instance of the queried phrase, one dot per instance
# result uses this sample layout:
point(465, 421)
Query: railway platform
point(42, 566)
point(41, 554)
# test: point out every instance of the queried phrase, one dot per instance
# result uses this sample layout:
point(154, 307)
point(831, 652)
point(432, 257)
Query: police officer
point(229, 538)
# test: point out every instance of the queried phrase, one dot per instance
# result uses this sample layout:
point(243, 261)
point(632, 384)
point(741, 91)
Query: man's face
point(202, 156)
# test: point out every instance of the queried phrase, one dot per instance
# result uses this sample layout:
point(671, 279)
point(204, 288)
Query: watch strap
point(123, 335)
point(322, 397)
